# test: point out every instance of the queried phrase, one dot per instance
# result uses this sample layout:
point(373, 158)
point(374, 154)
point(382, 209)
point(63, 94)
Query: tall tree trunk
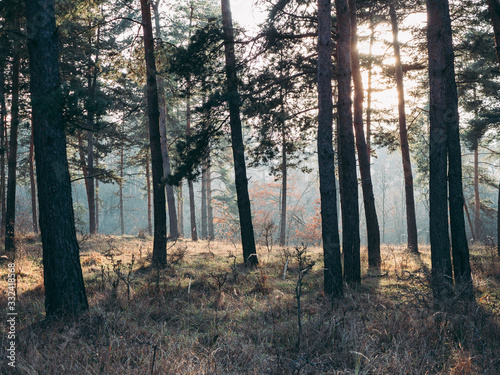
point(148, 190)
point(63, 279)
point(172, 214)
point(31, 164)
point(477, 200)
point(10, 218)
point(244, 209)
point(96, 200)
point(444, 141)
point(284, 178)
point(204, 224)
point(494, 10)
point(180, 209)
point(160, 214)
point(210, 211)
point(333, 284)
point(411, 220)
point(192, 207)
point(349, 181)
point(3, 126)
point(369, 92)
point(120, 192)
point(372, 227)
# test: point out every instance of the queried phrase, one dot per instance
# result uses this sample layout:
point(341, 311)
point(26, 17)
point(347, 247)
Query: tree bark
point(160, 215)
point(172, 214)
point(411, 220)
point(120, 191)
point(333, 284)
point(10, 217)
point(372, 227)
point(63, 280)
point(31, 164)
point(244, 209)
point(444, 141)
point(349, 182)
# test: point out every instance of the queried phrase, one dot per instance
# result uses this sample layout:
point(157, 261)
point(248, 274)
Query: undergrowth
point(205, 313)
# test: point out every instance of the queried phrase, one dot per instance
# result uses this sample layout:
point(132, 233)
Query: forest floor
point(207, 314)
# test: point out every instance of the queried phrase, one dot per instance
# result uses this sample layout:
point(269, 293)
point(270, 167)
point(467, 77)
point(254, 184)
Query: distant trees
point(63, 280)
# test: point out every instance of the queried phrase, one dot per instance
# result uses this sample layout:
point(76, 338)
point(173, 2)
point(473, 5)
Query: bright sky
point(246, 14)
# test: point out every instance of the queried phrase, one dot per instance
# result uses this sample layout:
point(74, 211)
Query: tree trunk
point(3, 123)
point(120, 192)
point(204, 228)
point(10, 217)
point(210, 211)
point(31, 164)
point(369, 93)
point(349, 181)
point(172, 214)
point(192, 207)
point(411, 221)
point(63, 280)
point(160, 215)
point(148, 189)
point(444, 141)
point(477, 200)
point(283, 186)
point(333, 285)
point(244, 209)
point(96, 201)
point(180, 210)
point(494, 10)
point(372, 227)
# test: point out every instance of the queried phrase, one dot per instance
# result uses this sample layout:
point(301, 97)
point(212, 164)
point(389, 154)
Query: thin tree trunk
point(148, 188)
point(10, 218)
point(204, 223)
point(120, 192)
point(180, 210)
point(63, 279)
point(284, 178)
point(349, 181)
point(333, 284)
point(210, 211)
point(172, 214)
point(244, 208)
point(444, 142)
point(469, 220)
point(411, 220)
point(477, 200)
point(160, 215)
point(3, 123)
point(192, 207)
point(31, 164)
point(369, 93)
point(96, 200)
point(372, 227)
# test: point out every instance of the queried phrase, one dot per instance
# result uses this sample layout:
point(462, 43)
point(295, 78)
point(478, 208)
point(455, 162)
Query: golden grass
point(207, 314)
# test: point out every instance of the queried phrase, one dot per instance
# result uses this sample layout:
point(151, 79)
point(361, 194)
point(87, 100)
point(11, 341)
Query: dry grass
point(207, 314)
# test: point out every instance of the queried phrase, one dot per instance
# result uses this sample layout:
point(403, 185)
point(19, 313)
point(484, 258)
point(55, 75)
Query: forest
point(249, 187)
